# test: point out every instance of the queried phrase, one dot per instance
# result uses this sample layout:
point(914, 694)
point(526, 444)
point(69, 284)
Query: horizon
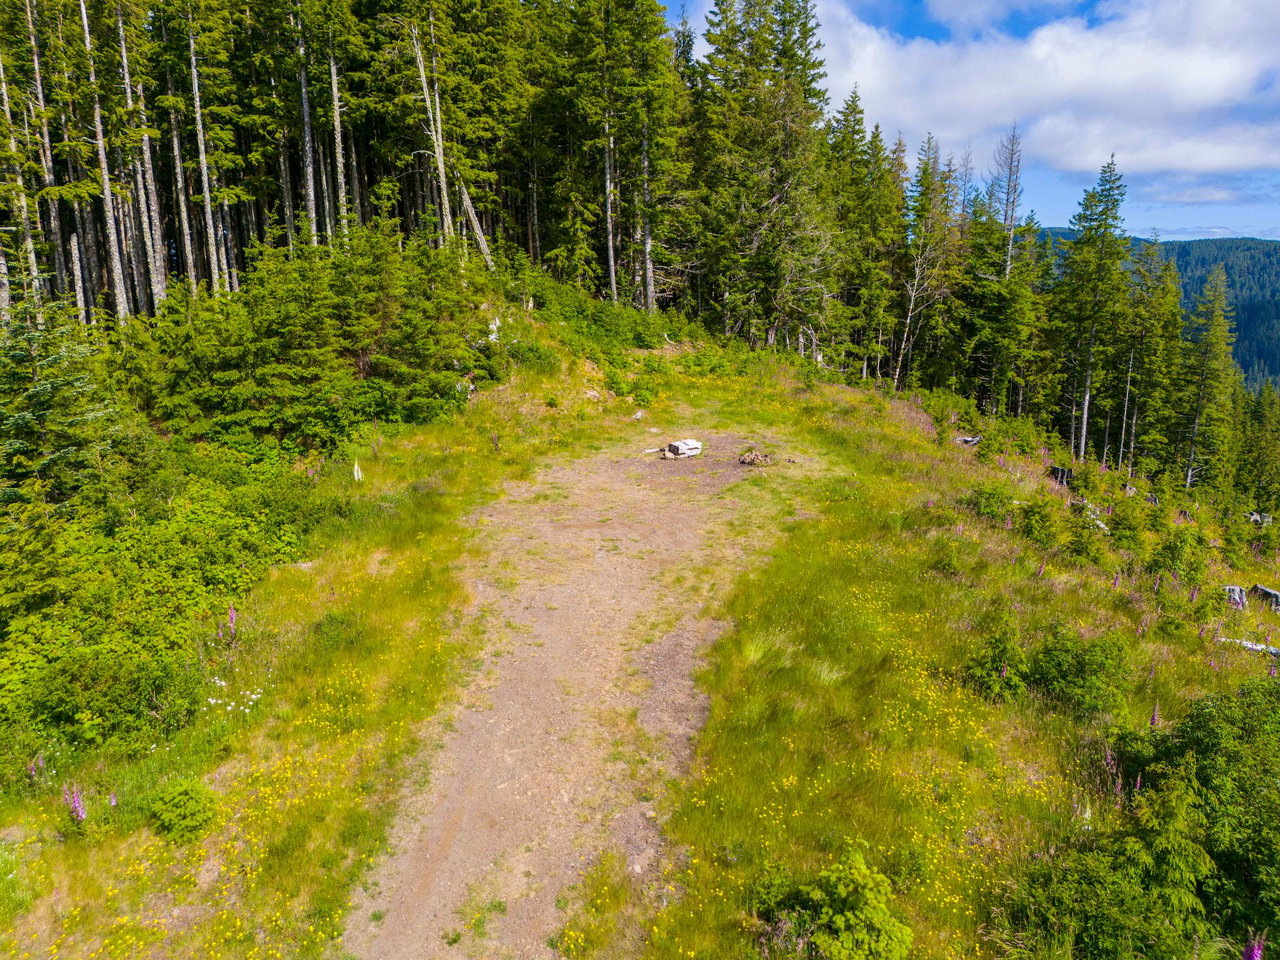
point(1184, 93)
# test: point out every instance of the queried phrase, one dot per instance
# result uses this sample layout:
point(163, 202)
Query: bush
point(998, 669)
point(1084, 676)
point(1040, 521)
point(1182, 552)
point(183, 809)
point(992, 501)
point(844, 914)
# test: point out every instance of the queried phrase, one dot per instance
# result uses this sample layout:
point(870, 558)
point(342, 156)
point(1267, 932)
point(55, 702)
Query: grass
point(838, 711)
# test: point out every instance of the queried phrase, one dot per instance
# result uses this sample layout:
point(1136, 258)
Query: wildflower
point(112, 799)
point(1008, 523)
point(1195, 592)
point(930, 503)
point(1272, 671)
point(74, 802)
point(1115, 584)
point(1155, 715)
point(1041, 572)
point(1157, 583)
point(1138, 785)
point(231, 619)
point(1253, 949)
point(1004, 670)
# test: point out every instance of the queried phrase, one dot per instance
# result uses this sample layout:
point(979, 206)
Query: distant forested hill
point(1253, 279)
point(1253, 274)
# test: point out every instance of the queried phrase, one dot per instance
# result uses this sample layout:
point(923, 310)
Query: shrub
point(992, 501)
point(1040, 521)
point(183, 809)
point(1182, 552)
point(998, 669)
point(1084, 676)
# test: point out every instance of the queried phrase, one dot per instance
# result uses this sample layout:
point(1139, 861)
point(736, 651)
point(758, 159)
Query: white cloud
point(1185, 86)
point(977, 14)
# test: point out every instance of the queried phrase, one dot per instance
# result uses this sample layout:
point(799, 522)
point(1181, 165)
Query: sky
point(1184, 93)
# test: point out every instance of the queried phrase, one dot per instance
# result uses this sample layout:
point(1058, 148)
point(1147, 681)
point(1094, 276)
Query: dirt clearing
point(590, 592)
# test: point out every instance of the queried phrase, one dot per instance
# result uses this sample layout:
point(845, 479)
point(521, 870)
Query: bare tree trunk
point(326, 195)
point(474, 221)
point(357, 201)
point(1088, 393)
point(24, 213)
point(118, 292)
point(338, 156)
point(229, 250)
point(437, 146)
point(141, 195)
point(286, 181)
point(308, 143)
point(650, 288)
point(180, 195)
point(1124, 411)
point(608, 211)
point(46, 153)
point(6, 296)
point(206, 188)
point(77, 278)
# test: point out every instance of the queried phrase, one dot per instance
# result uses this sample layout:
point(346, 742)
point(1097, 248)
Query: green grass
point(838, 711)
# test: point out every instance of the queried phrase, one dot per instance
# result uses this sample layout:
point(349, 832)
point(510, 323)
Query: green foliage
point(1041, 521)
point(844, 914)
point(998, 668)
point(993, 501)
point(1181, 552)
point(182, 810)
point(1084, 676)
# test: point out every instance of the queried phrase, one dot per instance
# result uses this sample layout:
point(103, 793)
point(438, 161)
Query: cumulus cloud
point(1186, 86)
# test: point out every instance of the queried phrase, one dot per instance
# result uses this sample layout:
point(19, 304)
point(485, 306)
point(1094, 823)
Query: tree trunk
point(308, 143)
point(142, 196)
point(286, 181)
point(206, 188)
point(608, 211)
point(180, 195)
point(437, 147)
point(24, 213)
point(77, 278)
point(46, 153)
point(1124, 411)
point(6, 296)
point(1088, 392)
point(650, 288)
point(474, 221)
point(108, 202)
point(338, 156)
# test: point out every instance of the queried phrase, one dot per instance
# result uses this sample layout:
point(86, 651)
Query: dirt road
point(591, 598)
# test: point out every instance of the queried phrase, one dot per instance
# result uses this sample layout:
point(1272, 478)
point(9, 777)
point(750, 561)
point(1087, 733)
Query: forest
point(241, 245)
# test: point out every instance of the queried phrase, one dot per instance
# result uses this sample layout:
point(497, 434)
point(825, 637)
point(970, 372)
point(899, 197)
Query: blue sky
point(1185, 93)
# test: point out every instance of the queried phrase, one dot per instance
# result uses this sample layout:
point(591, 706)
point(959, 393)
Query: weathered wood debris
point(1255, 647)
point(969, 441)
point(1062, 475)
point(682, 449)
point(753, 459)
point(1237, 597)
point(1268, 596)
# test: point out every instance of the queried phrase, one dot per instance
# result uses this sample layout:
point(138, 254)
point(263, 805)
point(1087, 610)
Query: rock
point(684, 448)
point(638, 415)
point(668, 455)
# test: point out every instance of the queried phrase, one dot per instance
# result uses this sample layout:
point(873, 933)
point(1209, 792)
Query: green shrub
point(1040, 521)
point(1084, 676)
point(998, 669)
point(847, 909)
point(992, 501)
point(1182, 552)
point(183, 809)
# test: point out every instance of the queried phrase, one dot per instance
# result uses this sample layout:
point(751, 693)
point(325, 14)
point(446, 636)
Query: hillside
point(1253, 283)
point(1253, 277)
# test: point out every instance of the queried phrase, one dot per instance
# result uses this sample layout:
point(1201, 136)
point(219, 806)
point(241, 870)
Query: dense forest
point(238, 238)
point(1253, 285)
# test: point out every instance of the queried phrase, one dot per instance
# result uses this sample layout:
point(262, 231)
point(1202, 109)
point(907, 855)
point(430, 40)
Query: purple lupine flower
point(1195, 592)
point(1138, 785)
point(1041, 571)
point(31, 769)
point(40, 761)
point(1115, 584)
point(1108, 759)
point(1001, 461)
point(219, 631)
point(1272, 671)
point(1253, 949)
point(231, 619)
point(1155, 715)
point(74, 802)
point(1157, 583)
point(1202, 630)
point(1004, 670)
point(1152, 674)
point(112, 799)
point(930, 503)
point(1008, 523)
